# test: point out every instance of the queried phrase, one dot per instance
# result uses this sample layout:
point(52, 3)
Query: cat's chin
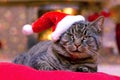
point(78, 55)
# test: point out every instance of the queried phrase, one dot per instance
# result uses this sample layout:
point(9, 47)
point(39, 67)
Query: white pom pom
point(27, 29)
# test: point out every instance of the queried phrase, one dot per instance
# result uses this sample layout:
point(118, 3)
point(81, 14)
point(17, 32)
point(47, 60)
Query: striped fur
point(76, 50)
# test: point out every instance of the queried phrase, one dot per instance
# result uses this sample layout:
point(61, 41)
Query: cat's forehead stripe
point(71, 30)
point(78, 26)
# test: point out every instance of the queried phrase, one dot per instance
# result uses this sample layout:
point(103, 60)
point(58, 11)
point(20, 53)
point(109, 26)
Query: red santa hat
point(59, 22)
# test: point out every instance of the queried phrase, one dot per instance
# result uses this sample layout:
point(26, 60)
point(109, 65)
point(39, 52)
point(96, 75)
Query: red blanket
point(10, 71)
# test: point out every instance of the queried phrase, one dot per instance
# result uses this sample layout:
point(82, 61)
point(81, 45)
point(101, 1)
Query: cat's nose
point(77, 43)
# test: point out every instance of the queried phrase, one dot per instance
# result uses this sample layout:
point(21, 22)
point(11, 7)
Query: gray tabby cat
point(76, 50)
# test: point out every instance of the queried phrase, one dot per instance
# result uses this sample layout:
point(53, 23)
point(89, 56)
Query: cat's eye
point(86, 24)
point(89, 40)
point(63, 41)
point(69, 34)
point(86, 37)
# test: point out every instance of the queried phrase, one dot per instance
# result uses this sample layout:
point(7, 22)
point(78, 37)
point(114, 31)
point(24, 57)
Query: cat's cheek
point(72, 48)
point(82, 49)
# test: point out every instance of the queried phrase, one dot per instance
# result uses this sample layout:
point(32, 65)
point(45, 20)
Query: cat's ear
point(98, 23)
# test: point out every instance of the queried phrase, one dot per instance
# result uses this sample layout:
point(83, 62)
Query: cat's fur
point(76, 50)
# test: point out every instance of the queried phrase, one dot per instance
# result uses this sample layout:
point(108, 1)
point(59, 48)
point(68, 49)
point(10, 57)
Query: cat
point(76, 50)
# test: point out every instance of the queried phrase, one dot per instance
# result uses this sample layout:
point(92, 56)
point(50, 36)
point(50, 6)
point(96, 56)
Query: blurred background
point(14, 14)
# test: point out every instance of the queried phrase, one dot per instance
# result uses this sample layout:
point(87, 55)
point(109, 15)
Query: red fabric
point(1, 45)
point(96, 15)
point(48, 20)
point(105, 13)
point(10, 71)
point(118, 35)
point(93, 16)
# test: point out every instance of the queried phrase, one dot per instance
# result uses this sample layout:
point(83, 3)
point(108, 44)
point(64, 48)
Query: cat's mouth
point(79, 55)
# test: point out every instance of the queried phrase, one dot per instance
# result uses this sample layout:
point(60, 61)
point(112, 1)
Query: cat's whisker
point(92, 52)
point(95, 52)
point(89, 52)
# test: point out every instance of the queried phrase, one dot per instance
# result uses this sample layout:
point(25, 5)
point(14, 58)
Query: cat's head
point(82, 39)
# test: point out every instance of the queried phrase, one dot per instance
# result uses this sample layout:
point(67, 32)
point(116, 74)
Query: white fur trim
point(64, 24)
point(27, 29)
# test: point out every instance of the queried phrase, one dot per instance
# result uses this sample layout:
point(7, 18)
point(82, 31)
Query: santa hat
point(59, 22)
